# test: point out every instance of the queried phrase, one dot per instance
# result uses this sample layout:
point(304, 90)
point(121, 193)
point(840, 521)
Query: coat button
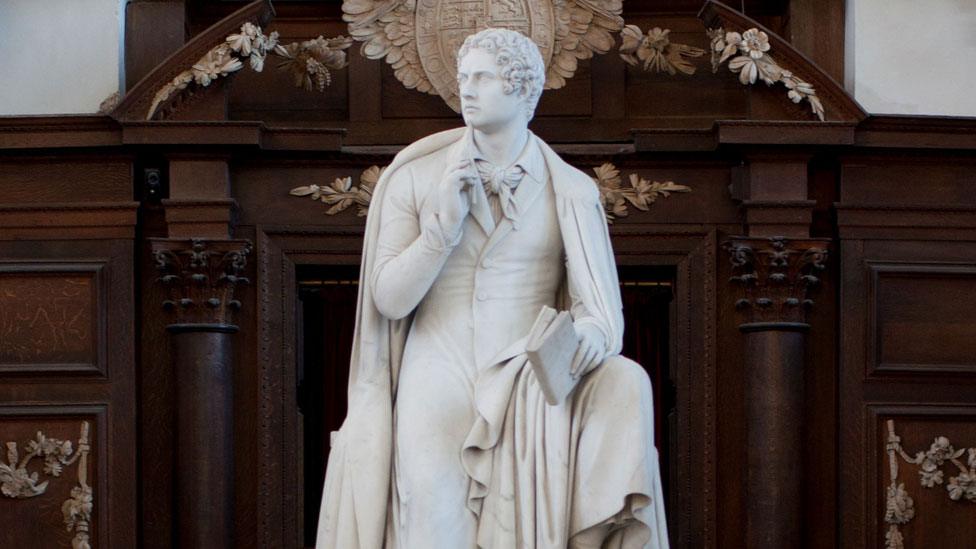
point(482, 296)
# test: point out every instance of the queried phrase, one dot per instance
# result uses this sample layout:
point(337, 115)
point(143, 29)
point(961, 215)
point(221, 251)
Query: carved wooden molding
point(201, 277)
point(16, 481)
point(640, 194)
point(899, 506)
point(776, 275)
point(655, 51)
point(834, 98)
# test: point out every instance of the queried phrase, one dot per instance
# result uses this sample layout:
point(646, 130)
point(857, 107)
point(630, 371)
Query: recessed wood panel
point(40, 180)
point(936, 518)
point(51, 318)
point(921, 181)
point(922, 318)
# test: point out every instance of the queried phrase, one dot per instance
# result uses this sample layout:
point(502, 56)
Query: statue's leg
point(616, 462)
point(435, 411)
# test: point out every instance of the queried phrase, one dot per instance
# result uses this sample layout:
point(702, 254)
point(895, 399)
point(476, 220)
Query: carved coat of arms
point(420, 38)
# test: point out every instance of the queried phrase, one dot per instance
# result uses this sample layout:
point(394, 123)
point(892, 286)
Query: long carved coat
point(359, 501)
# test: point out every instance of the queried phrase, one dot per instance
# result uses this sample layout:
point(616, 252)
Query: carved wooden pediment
point(662, 97)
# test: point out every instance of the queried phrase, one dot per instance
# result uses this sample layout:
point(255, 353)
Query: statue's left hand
point(591, 349)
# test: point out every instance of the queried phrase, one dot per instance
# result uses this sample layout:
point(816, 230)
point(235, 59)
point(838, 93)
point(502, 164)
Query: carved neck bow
point(501, 182)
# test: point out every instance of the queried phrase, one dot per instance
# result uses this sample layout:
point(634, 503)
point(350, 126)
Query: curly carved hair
point(518, 56)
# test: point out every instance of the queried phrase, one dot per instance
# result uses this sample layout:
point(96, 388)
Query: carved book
point(551, 347)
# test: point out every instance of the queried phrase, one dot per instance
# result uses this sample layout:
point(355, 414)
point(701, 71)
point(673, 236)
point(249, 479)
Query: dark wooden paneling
point(922, 180)
point(41, 390)
point(53, 318)
point(55, 180)
point(153, 30)
point(816, 28)
point(922, 318)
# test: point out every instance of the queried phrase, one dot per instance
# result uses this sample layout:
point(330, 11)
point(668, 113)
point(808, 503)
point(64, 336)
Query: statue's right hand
point(453, 199)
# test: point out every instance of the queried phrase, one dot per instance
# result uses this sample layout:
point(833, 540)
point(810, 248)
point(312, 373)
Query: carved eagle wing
point(583, 27)
point(386, 29)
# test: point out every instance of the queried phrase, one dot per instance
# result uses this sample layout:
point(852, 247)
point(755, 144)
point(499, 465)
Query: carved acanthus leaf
point(755, 63)
point(776, 275)
point(655, 51)
point(201, 278)
point(640, 193)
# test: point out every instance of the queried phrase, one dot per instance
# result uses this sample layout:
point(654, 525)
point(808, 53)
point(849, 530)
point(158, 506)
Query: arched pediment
point(607, 101)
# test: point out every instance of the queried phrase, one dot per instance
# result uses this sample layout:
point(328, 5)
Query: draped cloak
point(359, 501)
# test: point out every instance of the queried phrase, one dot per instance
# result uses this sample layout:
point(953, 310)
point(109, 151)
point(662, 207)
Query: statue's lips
point(467, 108)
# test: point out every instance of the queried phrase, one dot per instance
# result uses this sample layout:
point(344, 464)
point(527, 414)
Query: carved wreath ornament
point(18, 482)
point(341, 194)
point(899, 506)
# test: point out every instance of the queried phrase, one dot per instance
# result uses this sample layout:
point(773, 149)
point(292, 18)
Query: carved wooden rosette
point(201, 277)
point(776, 275)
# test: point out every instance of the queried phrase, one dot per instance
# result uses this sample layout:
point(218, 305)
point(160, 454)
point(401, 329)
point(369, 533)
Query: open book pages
point(551, 347)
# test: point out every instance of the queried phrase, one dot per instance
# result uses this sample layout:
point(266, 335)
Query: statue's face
point(484, 104)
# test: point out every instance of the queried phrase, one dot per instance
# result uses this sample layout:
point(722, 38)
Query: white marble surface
point(449, 441)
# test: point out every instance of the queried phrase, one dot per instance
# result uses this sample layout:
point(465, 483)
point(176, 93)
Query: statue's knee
point(626, 378)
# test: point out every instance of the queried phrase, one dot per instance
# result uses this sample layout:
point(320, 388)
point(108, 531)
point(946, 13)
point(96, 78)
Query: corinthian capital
point(776, 276)
point(200, 277)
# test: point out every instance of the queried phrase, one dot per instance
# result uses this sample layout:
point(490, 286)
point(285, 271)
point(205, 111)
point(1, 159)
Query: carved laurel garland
point(309, 61)
point(641, 193)
point(341, 193)
point(753, 62)
point(656, 51)
point(17, 482)
point(899, 507)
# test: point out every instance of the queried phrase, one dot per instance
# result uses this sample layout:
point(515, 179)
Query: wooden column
point(775, 274)
point(201, 277)
point(775, 266)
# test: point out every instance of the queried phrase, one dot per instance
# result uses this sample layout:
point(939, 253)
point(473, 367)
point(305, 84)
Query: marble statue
point(449, 442)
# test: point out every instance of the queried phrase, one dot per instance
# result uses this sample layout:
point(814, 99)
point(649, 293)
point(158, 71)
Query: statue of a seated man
point(449, 442)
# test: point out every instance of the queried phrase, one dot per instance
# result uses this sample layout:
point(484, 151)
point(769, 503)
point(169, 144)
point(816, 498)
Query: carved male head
point(500, 76)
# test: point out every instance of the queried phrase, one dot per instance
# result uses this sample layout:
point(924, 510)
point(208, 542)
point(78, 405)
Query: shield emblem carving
point(442, 26)
point(420, 38)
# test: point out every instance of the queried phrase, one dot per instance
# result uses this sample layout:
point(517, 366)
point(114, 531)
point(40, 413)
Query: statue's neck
point(501, 147)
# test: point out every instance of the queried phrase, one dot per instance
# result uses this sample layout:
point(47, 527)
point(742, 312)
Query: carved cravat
point(501, 183)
